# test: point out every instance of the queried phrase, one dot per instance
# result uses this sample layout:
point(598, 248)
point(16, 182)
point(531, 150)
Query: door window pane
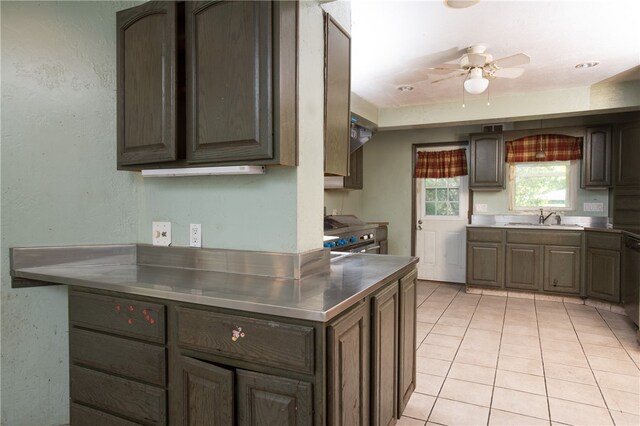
point(442, 196)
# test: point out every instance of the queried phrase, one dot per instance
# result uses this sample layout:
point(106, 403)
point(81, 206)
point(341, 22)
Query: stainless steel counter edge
point(269, 264)
point(319, 297)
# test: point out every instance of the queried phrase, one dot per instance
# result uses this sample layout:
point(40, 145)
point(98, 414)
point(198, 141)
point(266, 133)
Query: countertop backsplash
point(584, 221)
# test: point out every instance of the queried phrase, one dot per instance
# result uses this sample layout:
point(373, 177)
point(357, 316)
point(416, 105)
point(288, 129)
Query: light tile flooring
point(492, 360)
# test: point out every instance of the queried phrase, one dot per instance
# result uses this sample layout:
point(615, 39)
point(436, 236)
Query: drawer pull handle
point(237, 333)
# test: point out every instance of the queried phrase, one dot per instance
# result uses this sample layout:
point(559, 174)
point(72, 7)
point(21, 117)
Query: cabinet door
point(523, 266)
point(204, 394)
point(384, 354)
point(271, 400)
point(562, 269)
point(147, 84)
point(407, 344)
point(229, 81)
point(603, 274)
point(627, 154)
point(348, 363)
point(487, 162)
point(485, 264)
point(337, 95)
point(596, 162)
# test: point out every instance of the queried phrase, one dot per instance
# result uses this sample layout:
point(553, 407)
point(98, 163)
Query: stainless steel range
point(351, 234)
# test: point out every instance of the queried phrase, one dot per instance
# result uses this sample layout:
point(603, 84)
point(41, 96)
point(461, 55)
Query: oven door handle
point(372, 248)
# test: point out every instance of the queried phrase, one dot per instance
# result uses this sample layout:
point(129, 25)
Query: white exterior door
point(442, 206)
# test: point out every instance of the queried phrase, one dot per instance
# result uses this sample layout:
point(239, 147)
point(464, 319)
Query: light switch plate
point(481, 208)
point(161, 233)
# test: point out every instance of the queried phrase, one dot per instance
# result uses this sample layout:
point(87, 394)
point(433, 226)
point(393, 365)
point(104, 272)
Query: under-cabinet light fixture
point(205, 171)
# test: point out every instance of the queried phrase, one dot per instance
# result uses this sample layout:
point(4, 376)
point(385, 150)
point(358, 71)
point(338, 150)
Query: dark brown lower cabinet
point(562, 269)
point(271, 400)
point(348, 363)
point(523, 266)
point(485, 264)
point(407, 343)
point(384, 344)
point(603, 274)
point(205, 393)
point(157, 362)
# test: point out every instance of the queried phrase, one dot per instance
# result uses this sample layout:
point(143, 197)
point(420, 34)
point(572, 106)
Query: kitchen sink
point(542, 225)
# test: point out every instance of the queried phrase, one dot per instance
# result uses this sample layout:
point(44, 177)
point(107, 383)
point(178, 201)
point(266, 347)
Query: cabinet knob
point(555, 282)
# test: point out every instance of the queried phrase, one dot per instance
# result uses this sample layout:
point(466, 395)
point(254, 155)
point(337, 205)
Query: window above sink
point(550, 185)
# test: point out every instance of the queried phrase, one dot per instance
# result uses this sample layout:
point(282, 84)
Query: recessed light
point(406, 88)
point(589, 64)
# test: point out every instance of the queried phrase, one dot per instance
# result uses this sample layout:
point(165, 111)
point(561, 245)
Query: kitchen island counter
point(317, 297)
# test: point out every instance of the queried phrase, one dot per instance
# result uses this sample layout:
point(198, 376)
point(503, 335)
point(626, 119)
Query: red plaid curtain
point(441, 164)
point(555, 147)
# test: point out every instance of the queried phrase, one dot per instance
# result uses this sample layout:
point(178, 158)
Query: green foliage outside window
point(544, 184)
point(442, 196)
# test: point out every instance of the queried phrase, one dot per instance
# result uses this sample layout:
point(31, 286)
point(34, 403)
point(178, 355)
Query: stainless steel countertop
point(319, 297)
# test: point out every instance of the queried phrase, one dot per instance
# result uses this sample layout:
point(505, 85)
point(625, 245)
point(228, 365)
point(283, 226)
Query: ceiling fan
point(479, 67)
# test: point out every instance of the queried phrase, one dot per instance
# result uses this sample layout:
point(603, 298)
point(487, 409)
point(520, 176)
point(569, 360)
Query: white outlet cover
point(161, 235)
point(481, 208)
point(593, 207)
point(195, 235)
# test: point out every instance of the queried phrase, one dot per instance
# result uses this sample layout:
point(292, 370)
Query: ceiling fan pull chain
point(463, 96)
point(488, 89)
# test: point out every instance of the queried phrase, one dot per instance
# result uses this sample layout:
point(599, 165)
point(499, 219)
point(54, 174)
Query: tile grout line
point(589, 363)
point(626, 351)
point(544, 372)
point(495, 376)
point(457, 349)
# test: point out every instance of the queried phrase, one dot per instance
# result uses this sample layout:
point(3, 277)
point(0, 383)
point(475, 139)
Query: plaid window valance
point(555, 148)
point(441, 164)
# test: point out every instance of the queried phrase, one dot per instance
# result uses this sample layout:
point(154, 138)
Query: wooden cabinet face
point(337, 117)
point(487, 162)
point(229, 80)
point(348, 375)
point(596, 161)
point(204, 393)
point(147, 83)
point(603, 274)
point(562, 269)
point(628, 153)
point(523, 266)
point(355, 178)
point(270, 400)
point(385, 356)
point(407, 346)
point(485, 264)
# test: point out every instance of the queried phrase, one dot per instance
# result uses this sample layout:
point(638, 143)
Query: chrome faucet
point(543, 218)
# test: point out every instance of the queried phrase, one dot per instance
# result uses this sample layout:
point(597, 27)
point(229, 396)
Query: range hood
point(362, 130)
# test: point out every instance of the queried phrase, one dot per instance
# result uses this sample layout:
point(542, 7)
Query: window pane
point(430, 209)
point(541, 185)
point(441, 209)
point(454, 209)
point(441, 194)
point(430, 195)
point(453, 194)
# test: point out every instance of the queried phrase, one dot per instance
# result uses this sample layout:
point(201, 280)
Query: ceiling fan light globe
point(475, 86)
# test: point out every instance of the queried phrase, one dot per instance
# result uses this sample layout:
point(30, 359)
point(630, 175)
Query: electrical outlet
point(161, 233)
point(481, 208)
point(195, 235)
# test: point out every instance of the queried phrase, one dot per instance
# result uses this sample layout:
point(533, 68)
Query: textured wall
point(59, 182)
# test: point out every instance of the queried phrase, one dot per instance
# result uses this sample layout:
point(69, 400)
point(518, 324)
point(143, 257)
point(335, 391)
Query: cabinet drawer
point(85, 416)
point(124, 357)
point(547, 237)
point(484, 234)
point(264, 342)
point(603, 240)
point(127, 317)
point(143, 403)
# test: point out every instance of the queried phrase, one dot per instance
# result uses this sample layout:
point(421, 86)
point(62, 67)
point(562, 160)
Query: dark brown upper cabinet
point(596, 161)
point(627, 154)
point(207, 83)
point(487, 162)
point(337, 96)
point(148, 108)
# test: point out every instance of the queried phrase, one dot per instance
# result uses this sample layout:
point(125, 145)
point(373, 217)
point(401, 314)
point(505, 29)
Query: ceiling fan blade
point(512, 61)
point(451, 76)
point(508, 72)
point(444, 69)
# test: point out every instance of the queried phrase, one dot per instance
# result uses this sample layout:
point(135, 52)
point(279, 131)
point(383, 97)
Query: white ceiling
point(393, 42)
